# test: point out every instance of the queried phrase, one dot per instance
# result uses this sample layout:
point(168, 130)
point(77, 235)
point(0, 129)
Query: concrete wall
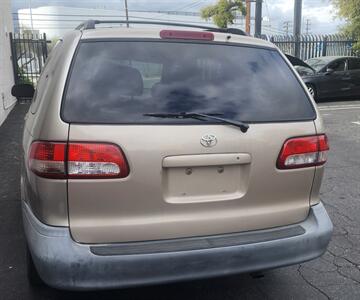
point(7, 102)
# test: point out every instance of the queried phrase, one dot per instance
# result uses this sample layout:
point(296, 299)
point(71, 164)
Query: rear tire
point(312, 90)
point(32, 274)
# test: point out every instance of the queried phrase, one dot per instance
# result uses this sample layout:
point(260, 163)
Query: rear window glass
point(120, 81)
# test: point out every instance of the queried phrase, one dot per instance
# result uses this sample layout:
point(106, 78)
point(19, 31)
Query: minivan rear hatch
point(187, 176)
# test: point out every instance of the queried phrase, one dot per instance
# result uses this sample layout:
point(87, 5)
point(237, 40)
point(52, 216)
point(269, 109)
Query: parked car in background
point(329, 76)
point(154, 155)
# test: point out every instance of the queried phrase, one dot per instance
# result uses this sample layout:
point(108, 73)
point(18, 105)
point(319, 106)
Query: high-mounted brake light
point(186, 35)
point(303, 152)
point(77, 160)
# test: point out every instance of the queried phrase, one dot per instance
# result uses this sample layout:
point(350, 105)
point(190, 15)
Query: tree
point(350, 11)
point(223, 12)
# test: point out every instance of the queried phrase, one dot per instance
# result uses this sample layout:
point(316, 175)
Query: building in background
point(7, 102)
point(56, 20)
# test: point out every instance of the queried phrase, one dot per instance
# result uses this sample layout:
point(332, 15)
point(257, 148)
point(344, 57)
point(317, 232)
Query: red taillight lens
point(47, 159)
point(89, 160)
point(186, 35)
point(83, 160)
point(303, 152)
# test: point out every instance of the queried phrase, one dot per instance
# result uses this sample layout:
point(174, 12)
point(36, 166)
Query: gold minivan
point(153, 155)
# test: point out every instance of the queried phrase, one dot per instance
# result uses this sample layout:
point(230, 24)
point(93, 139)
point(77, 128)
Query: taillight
point(47, 159)
point(77, 160)
point(303, 152)
point(90, 160)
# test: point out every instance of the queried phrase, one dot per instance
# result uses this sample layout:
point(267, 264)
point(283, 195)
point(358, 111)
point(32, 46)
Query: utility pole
point(126, 13)
point(248, 17)
point(308, 26)
point(286, 26)
point(297, 25)
point(31, 16)
point(258, 18)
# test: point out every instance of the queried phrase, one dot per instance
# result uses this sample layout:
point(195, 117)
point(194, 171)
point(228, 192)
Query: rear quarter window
point(117, 82)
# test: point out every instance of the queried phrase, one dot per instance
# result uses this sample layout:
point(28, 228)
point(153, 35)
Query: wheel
point(32, 274)
point(312, 90)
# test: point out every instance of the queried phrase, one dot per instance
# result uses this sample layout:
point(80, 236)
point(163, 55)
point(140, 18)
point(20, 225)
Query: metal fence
point(309, 46)
point(29, 53)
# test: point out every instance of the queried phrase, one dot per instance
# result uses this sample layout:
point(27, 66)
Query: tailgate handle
point(206, 160)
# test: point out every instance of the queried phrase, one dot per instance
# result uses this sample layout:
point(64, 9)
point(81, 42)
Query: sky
point(320, 13)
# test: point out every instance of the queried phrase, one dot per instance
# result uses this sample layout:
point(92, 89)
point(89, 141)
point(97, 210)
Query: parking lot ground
point(336, 275)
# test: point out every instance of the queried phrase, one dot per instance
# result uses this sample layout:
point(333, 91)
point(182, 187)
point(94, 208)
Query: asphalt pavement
point(336, 275)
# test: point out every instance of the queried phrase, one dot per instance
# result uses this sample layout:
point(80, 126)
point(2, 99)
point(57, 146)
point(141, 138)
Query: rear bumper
point(65, 264)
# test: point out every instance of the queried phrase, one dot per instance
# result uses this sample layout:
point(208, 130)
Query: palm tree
point(223, 12)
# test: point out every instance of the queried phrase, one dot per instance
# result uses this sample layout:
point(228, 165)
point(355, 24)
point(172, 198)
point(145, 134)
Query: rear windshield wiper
point(183, 115)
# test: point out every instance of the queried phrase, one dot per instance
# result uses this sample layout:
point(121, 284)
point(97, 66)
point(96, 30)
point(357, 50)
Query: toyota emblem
point(208, 140)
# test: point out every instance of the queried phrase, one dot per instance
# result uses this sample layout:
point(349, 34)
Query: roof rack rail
point(90, 24)
point(228, 30)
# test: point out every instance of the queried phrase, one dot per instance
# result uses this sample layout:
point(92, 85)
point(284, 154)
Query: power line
point(65, 15)
point(196, 4)
point(144, 18)
point(189, 5)
point(55, 26)
point(134, 17)
point(273, 30)
point(55, 20)
point(171, 12)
